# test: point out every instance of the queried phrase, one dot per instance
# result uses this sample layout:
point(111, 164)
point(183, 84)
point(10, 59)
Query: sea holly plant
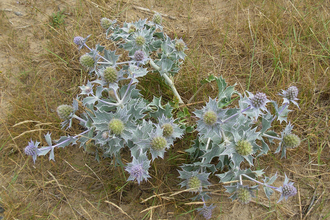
point(233, 129)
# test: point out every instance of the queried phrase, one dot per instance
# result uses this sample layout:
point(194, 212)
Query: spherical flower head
point(210, 117)
point(116, 126)
point(259, 100)
point(167, 130)
point(31, 149)
point(206, 211)
point(291, 93)
point(139, 55)
point(87, 61)
point(136, 171)
point(157, 19)
point(110, 74)
point(244, 147)
point(180, 45)
point(132, 29)
point(105, 23)
point(195, 184)
point(291, 141)
point(138, 168)
point(158, 143)
point(78, 40)
point(243, 195)
point(288, 190)
point(140, 40)
point(65, 112)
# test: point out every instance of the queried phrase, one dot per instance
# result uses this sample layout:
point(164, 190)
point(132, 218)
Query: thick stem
point(80, 119)
point(82, 133)
point(234, 115)
point(269, 136)
point(168, 81)
point(260, 183)
point(105, 102)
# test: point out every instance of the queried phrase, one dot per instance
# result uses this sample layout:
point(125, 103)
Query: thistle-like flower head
point(210, 117)
point(140, 41)
point(287, 190)
point(244, 195)
point(80, 41)
point(131, 29)
point(180, 45)
point(257, 103)
point(244, 147)
point(32, 150)
point(105, 23)
point(87, 61)
point(170, 129)
point(152, 139)
point(206, 211)
point(110, 74)
point(290, 95)
point(138, 168)
point(116, 126)
point(65, 112)
point(259, 100)
point(194, 181)
point(139, 57)
point(157, 18)
point(289, 140)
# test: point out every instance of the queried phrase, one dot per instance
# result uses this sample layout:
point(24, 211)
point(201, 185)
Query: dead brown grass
point(262, 45)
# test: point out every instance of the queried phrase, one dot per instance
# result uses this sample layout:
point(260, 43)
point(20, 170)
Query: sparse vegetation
point(262, 45)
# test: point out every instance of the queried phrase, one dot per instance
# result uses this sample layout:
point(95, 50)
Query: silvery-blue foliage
point(229, 133)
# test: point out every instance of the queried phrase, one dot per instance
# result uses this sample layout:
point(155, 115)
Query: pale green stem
point(168, 81)
point(269, 136)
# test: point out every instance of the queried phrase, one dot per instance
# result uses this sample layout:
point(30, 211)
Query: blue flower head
point(32, 150)
point(138, 169)
point(287, 190)
point(290, 95)
point(257, 103)
point(206, 211)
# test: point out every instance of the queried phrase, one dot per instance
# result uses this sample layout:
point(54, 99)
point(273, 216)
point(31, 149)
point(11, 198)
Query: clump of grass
point(57, 19)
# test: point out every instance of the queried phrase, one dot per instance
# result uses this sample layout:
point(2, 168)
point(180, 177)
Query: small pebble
point(18, 13)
